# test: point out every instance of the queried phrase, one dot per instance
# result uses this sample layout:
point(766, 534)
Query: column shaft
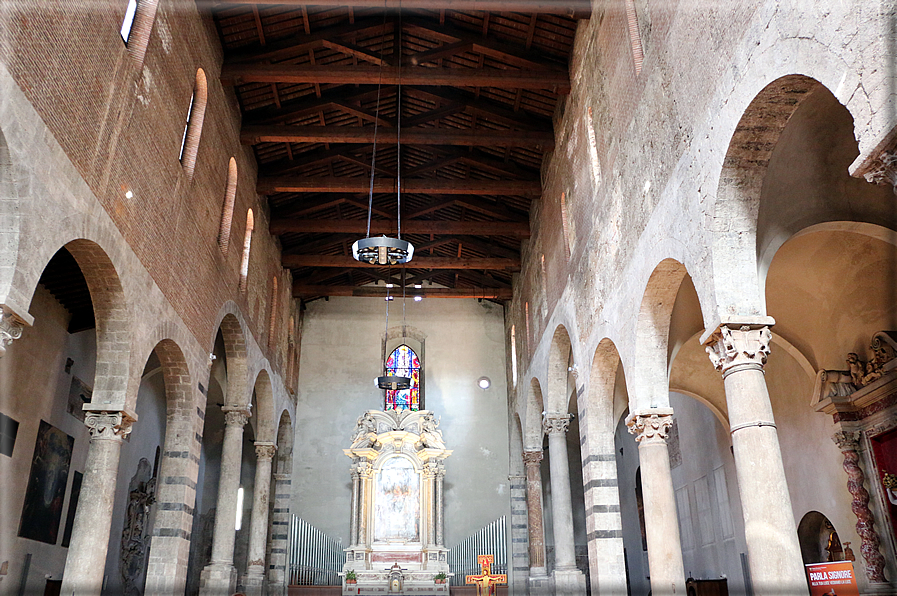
point(86, 561)
point(280, 533)
point(440, 507)
point(651, 428)
point(536, 529)
point(353, 525)
point(430, 475)
point(258, 525)
point(561, 500)
point(774, 555)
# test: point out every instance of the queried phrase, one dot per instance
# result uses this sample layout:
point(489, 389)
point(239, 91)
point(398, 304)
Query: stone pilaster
point(353, 516)
point(220, 576)
point(651, 428)
point(365, 474)
point(278, 574)
point(884, 170)
point(11, 326)
point(254, 579)
point(568, 579)
point(739, 352)
point(848, 443)
point(86, 560)
point(440, 505)
point(430, 472)
point(519, 534)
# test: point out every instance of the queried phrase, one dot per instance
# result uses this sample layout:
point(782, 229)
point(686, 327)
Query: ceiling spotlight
point(393, 382)
point(418, 286)
point(418, 298)
point(484, 383)
point(390, 298)
point(129, 195)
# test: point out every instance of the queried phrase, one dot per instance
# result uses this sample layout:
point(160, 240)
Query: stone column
point(440, 506)
point(220, 576)
point(849, 442)
point(651, 428)
point(353, 524)
point(254, 579)
point(86, 561)
point(11, 325)
point(568, 580)
point(884, 170)
point(532, 461)
point(430, 479)
point(280, 535)
point(739, 351)
point(365, 473)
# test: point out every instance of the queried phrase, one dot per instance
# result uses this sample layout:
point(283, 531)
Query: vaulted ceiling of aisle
point(478, 91)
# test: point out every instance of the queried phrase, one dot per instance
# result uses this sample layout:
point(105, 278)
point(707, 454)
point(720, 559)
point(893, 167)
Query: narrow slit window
point(635, 37)
point(593, 147)
point(272, 328)
point(193, 125)
point(528, 336)
point(187, 127)
point(565, 223)
point(227, 211)
point(247, 244)
point(128, 23)
point(513, 355)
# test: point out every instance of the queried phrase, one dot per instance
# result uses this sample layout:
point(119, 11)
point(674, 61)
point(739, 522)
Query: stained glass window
point(404, 362)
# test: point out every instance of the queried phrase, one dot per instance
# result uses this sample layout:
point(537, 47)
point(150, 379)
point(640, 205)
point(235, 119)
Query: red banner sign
point(832, 579)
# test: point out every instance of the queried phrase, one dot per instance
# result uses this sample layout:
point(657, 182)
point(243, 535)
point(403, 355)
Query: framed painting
point(42, 511)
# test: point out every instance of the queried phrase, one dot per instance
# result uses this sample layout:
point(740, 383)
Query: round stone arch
point(233, 331)
point(649, 383)
point(9, 216)
point(114, 326)
point(265, 423)
point(735, 210)
point(560, 366)
point(532, 425)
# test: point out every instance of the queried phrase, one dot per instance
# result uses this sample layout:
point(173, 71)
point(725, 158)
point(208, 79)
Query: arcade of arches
point(690, 327)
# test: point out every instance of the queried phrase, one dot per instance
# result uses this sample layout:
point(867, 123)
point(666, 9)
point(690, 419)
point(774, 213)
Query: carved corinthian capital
point(884, 170)
point(108, 425)
point(235, 415)
point(10, 328)
point(729, 347)
point(265, 450)
point(532, 458)
point(555, 423)
point(847, 440)
point(650, 426)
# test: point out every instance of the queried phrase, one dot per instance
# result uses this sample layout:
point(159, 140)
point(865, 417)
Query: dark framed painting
point(42, 511)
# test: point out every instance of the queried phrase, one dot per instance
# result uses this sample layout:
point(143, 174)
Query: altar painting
point(397, 502)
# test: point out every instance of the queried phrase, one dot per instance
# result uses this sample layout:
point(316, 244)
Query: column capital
point(532, 458)
point(365, 469)
point(11, 326)
point(650, 426)
point(734, 346)
point(884, 170)
point(112, 425)
point(236, 415)
point(847, 440)
point(430, 469)
point(555, 423)
point(265, 450)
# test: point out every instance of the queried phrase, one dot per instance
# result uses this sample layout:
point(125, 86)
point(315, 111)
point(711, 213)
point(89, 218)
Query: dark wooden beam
point(253, 135)
point(378, 226)
point(422, 262)
point(559, 81)
point(481, 107)
point(473, 203)
point(308, 291)
point(436, 186)
point(572, 8)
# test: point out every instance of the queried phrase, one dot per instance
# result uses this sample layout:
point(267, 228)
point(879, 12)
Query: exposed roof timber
point(299, 44)
point(558, 81)
point(306, 106)
point(321, 244)
point(359, 226)
point(571, 8)
point(474, 157)
point(471, 202)
point(481, 107)
point(482, 264)
point(436, 186)
point(252, 135)
point(312, 157)
point(308, 291)
point(467, 41)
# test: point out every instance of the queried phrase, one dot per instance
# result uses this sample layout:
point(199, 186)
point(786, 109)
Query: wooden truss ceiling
point(317, 83)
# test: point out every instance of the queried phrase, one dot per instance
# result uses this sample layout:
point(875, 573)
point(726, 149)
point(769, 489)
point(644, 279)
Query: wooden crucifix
point(485, 581)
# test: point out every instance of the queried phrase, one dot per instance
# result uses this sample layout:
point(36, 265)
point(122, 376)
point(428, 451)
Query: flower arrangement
point(440, 577)
point(351, 578)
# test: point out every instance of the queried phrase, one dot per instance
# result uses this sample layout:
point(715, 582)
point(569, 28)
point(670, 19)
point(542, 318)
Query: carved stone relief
point(136, 532)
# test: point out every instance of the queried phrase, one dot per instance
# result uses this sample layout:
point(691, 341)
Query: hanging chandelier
point(383, 250)
point(390, 381)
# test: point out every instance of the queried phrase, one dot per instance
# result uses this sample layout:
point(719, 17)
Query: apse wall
point(341, 356)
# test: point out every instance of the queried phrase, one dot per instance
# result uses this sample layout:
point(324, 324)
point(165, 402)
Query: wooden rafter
point(253, 135)
point(359, 226)
point(482, 264)
point(308, 291)
point(436, 186)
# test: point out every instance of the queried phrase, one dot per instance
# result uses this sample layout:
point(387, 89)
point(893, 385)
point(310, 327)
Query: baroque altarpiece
point(397, 513)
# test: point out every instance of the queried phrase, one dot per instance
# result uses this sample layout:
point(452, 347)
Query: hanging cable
point(376, 126)
point(399, 132)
